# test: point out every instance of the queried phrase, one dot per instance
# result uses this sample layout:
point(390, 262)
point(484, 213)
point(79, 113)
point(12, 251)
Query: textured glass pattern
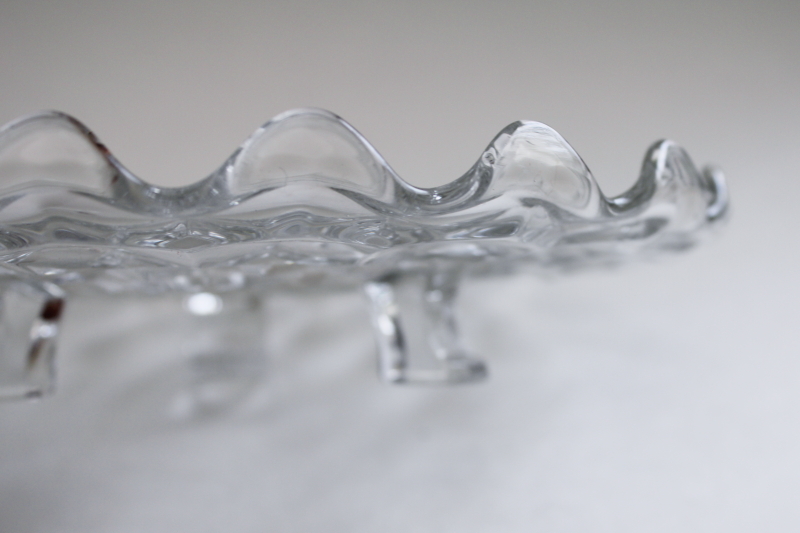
point(307, 202)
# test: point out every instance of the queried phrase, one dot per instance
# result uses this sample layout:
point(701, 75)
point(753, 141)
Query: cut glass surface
point(306, 202)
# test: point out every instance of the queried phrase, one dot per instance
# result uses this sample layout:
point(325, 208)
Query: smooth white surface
point(661, 397)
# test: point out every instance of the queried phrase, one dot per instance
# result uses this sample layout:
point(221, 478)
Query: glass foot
point(414, 320)
point(30, 314)
point(224, 344)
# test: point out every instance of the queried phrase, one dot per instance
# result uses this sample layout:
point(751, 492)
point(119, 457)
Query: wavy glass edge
point(307, 201)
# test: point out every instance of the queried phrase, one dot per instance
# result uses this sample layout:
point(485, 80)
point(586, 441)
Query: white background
point(660, 397)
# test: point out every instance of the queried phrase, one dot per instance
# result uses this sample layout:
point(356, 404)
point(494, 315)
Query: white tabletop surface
point(659, 397)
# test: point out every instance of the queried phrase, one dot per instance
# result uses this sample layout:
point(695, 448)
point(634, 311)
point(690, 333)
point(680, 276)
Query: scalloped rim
point(529, 198)
point(410, 199)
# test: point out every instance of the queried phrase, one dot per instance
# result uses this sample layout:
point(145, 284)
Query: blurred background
point(657, 397)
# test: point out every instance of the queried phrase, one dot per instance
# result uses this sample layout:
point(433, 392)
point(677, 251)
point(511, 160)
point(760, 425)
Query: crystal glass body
point(306, 203)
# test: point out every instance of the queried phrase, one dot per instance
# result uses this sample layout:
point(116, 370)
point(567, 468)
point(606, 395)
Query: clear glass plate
point(306, 203)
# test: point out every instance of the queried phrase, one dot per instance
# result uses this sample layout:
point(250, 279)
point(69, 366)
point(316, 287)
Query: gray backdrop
point(660, 397)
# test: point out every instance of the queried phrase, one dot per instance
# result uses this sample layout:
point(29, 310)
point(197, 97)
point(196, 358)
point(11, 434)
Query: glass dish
point(306, 203)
